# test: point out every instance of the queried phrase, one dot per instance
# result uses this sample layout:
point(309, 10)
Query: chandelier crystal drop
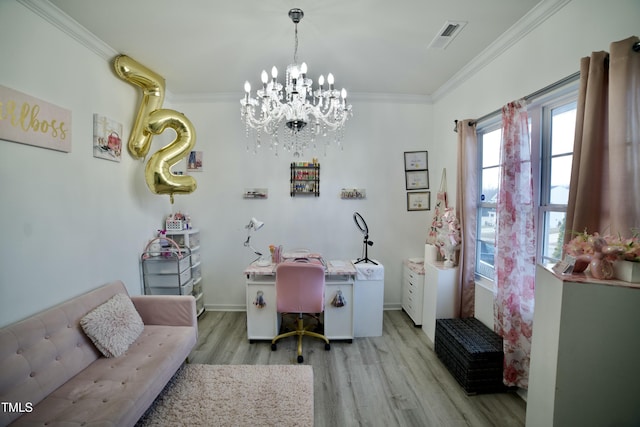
point(295, 115)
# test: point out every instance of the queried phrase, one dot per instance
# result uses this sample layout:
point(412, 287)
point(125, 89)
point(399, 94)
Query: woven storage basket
point(472, 353)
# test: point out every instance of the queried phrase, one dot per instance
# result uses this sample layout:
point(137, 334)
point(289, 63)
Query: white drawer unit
point(368, 304)
point(185, 289)
point(338, 321)
point(190, 238)
point(168, 274)
point(413, 291)
point(263, 322)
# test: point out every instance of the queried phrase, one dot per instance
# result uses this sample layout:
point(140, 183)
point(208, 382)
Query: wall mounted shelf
point(305, 179)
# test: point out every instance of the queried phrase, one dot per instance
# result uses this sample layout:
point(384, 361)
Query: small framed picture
point(194, 164)
point(419, 201)
point(417, 180)
point(107, 142)
point(415, 160)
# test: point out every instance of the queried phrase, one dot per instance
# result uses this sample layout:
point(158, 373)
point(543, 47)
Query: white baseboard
point(241, 307)
point(225, 307)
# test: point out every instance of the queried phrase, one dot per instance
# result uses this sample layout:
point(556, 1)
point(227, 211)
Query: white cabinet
point(263, 322)
point(584, 352)
point(191, 239)
point(338, 321)
point(412, 291)
point(368, 295)
point(440, 297)
point(167, 272)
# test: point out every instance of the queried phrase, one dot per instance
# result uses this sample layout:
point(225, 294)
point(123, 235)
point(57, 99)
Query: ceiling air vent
point(447, 33)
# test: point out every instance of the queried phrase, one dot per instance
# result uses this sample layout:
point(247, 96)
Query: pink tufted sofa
point(52, 374)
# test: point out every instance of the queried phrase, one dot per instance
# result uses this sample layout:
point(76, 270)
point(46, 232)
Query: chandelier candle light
point(307, 113)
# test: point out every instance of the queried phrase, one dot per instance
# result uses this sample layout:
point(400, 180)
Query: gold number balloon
point(153, 120)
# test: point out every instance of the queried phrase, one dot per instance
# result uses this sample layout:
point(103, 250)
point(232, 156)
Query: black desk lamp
point(362, 226)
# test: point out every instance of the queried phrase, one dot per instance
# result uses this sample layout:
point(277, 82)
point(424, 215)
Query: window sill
point(486, 283)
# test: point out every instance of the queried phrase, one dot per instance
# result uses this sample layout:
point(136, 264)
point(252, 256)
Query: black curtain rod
point(543, 91)
point(540, 92)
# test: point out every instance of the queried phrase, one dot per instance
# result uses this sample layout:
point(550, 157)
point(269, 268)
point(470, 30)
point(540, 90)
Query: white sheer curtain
point(515, 246)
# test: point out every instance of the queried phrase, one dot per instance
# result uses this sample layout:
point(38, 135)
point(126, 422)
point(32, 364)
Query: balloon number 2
point(153, 120)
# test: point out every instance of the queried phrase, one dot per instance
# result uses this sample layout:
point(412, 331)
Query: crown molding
point(397, 98)
point(73, 29)
point(536, 16)
point(69, 26)
point(539, 14)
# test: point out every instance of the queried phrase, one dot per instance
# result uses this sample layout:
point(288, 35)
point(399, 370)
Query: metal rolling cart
point(166, 270)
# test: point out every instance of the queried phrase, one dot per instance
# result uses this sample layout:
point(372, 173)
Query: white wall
point(547, 54)
point(371, 158)
point(73, 222)
point(70, 222)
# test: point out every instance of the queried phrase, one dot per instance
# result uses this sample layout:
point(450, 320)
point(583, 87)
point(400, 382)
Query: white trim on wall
point(519, 30)
point(70, 27)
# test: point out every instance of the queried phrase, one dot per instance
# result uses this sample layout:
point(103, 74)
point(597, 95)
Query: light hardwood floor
point(392, 380)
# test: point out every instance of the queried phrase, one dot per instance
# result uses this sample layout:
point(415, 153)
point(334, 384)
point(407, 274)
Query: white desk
point(263, 323)
point(368, 295)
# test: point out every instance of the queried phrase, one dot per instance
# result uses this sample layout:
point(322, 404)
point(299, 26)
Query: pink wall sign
point(29, 120)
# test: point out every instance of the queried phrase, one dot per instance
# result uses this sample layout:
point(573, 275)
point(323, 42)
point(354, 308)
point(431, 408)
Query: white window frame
point(539, 111)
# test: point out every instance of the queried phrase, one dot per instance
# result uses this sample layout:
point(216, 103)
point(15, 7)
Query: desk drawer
point(186, 289)
point(412, 294)
point(338, 321)
point(168, 280)
point(263, 322)
point(412, 275)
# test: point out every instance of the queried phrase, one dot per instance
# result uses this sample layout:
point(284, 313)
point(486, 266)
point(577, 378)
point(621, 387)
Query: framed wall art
point(415, 160)
point(107, 138)
point(28, 120)
point(417, 180)
point(419, 201)
point(194, 163)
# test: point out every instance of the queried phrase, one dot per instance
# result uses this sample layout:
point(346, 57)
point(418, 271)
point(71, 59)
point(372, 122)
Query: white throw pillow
point(113, 326)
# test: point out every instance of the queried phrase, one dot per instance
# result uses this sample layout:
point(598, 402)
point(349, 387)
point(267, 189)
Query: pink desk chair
point(300, 289)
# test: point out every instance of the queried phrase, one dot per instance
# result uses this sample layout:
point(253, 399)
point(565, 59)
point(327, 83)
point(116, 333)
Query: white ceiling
point(371, 46)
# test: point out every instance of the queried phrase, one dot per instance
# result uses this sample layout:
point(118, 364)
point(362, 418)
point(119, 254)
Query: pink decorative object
point(448, 238)
point(614, 247)
point(600, 266)
point(581, 264)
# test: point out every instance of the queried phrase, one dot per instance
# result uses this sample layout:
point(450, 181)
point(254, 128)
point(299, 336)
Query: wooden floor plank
point(392, 380)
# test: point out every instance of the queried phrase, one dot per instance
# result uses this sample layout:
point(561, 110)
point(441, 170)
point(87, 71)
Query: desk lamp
point(254, 224)
point(362, 226)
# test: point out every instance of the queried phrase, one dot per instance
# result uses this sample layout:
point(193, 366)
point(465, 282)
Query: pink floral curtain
point(515, 246)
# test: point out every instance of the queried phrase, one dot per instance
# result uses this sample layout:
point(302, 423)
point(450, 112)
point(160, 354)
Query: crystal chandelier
point(295, 115)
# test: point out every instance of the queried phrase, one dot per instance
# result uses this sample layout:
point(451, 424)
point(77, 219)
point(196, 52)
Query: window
point(551, 131)
point(489, 176)
point(555, 175)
